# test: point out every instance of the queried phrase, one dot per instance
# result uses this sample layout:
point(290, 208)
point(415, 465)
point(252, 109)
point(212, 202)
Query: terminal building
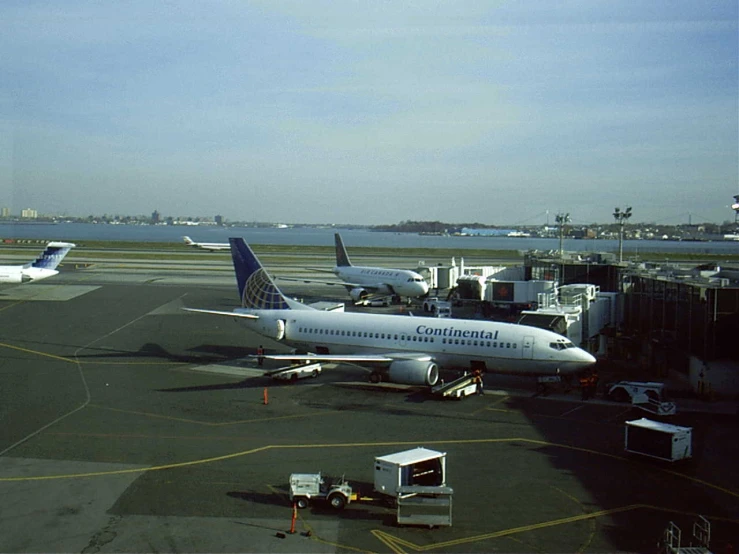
point(673, 319)
point(663, 320)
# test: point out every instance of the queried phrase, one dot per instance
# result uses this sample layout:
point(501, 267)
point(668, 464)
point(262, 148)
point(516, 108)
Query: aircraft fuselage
point(452, 343)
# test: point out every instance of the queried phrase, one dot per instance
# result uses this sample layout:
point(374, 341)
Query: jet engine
point(414, 372)
point(274, 329)
point(358, 294)
point(14, 277)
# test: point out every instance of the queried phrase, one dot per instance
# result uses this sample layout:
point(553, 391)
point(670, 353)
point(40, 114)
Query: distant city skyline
point(372, 113)
point(217, 219)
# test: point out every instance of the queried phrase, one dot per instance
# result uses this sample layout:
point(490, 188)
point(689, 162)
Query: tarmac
point(129, 425)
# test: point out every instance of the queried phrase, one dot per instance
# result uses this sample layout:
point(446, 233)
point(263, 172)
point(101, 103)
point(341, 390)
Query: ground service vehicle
point(466, 385)
point(633, 391)
point(649, 396)
point(437, 307)
point(305, 487)
point(295, 372)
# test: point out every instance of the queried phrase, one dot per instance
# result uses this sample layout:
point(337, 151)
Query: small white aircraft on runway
point(42, 267)
point(407, 350)
point(212, 246)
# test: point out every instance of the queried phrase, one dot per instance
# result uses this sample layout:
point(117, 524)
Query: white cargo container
point(659, 440)
point(418, 467)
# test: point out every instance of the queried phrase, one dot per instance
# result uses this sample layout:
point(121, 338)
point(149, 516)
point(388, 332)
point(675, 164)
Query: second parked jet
point(365, 282)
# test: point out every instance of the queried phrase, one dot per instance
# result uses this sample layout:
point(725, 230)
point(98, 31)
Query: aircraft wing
point(351, 358)
point(217, 312)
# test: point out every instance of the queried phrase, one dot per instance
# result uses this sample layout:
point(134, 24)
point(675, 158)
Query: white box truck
point(659, 440)
point(419, 467)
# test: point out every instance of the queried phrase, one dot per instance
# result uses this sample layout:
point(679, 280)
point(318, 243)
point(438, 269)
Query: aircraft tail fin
point(256, 288)
point(188, 241)
point(52, 255)
point(342, 258)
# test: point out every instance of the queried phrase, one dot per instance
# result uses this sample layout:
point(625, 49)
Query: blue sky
point(371, 112)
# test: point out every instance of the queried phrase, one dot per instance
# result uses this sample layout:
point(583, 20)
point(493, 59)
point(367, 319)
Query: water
point(310, 236)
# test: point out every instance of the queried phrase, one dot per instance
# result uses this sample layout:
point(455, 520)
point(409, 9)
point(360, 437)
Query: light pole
point(621, 217)
point(561, 220)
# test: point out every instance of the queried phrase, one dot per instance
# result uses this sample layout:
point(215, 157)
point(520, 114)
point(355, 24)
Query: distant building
point(5, 212)
point(28, 213)
point(155, 217)
point(219, 220)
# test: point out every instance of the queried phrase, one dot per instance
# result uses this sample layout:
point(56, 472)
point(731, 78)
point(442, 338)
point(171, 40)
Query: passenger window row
point(408, 338)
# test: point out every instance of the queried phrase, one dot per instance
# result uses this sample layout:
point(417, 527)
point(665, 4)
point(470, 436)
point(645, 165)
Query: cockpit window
point(561, 345)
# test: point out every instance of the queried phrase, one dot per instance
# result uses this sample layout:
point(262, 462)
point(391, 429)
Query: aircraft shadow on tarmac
point(204, 354)
point(246, 384)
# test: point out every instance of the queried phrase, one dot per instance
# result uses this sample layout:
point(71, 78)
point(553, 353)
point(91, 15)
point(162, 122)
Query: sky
point(371, 112)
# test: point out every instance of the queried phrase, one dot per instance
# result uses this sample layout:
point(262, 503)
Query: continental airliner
point(402, 349)
point(364, 283)
point(42, 267)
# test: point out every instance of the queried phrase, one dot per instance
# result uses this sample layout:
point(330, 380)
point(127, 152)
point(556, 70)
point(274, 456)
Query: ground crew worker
point(584, 386)
point(260, 355)
point(593, 384)
point(478, 381)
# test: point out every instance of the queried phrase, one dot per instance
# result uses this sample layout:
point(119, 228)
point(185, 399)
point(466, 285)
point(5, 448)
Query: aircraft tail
point(52, 256)
point(256, 289)
point(342, 258)
point(188, 241)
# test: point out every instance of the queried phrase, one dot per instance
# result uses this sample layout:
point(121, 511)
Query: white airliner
point(212, 246)
point(363, 282)
point(42, 267)
point(408, 350)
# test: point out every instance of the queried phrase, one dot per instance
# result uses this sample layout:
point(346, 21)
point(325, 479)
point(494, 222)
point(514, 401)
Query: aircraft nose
point(587, 358)
point(424, 286)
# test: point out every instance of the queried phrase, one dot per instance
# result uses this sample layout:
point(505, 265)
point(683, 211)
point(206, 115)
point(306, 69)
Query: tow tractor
point(305, 487)
point(648, 396)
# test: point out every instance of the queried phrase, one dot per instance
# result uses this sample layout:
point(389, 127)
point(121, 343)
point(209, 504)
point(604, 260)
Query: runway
point(129, 425)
